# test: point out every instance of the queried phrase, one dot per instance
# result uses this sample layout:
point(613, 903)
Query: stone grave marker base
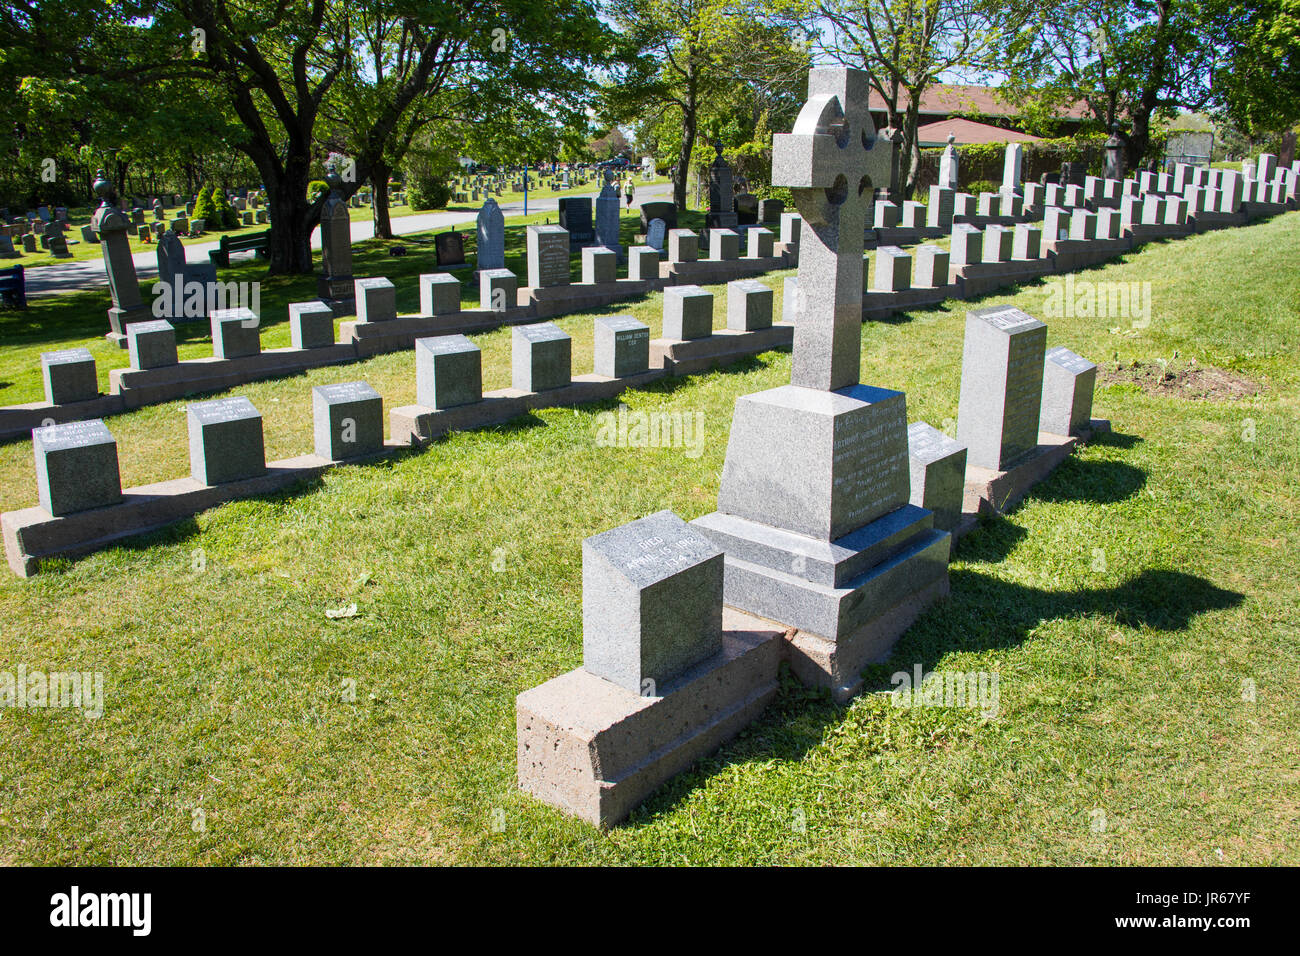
point(993, 492)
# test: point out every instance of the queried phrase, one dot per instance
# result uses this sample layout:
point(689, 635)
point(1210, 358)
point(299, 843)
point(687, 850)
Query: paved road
point(48, 280)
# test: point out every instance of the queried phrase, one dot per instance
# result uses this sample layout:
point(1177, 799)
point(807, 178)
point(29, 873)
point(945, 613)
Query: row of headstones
point(77, 463)
point(1012, 388)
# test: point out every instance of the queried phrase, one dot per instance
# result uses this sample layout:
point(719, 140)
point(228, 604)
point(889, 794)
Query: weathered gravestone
point(7, 247)
point(334, 285)
point(449, 249)
point(1001, 386)
point(656, 234)
point(1012, 160)
point(812, 508)
point(76, 467)
point(348, 420)
point(665, 211)
point(491, 245)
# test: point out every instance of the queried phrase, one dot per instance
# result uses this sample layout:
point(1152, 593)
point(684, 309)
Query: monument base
point(119, 319)
point(596, 750)
point(993, 492)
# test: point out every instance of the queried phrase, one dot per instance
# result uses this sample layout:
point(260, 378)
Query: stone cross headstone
point(111, 225)
point(491, 237)
point(948, 165)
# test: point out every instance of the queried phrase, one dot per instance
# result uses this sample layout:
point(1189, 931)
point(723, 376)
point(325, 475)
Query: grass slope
point(1123, 605)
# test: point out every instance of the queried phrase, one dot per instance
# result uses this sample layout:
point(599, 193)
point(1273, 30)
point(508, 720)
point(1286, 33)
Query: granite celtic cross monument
point(813, 513)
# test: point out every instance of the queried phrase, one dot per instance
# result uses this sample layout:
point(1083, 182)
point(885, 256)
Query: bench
point(13, 287)
point(256, 242)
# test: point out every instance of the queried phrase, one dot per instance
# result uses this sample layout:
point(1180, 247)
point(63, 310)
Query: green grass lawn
point(1124, 605)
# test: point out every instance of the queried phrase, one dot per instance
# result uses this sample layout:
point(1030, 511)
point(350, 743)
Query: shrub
point(427, 191)
point(206, 209)
point(225, 213)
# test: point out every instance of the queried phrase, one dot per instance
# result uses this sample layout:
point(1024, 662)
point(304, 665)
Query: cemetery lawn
point(1140, 609)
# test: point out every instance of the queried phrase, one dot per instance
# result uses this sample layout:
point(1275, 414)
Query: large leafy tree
point(906, 46)
point(1130, 62)
point(1257, 83)
point(681, 61)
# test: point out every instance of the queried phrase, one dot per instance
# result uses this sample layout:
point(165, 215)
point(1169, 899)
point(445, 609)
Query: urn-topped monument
point(334, 284)
point(111, 225)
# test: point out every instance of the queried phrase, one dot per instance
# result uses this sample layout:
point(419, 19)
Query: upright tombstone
point(1068, 383)
point(575, 218)
point(932, 264)
point(622, 346)
point(657, 235)
point(948, 165)
point(348, 420)
point(111, 225)
point(812, 507)
point(76, 467)
point(1012, 160)
point(235, 333)
point(491, 237)
point(1001, 386)
point(334, 284)
point(599, 265)
point(226, 441)
point(541, 357)
point(893, 270)
point(449, 249)
point(69, 376)
point(722, 211)
point(643, 263)
point(497, 289)
point(607, 221)
point(448, 372)
point(938, 473)
point(749, 305)
point(683, 245)
point(548, 256)
point(688, 312)
point(376, 299)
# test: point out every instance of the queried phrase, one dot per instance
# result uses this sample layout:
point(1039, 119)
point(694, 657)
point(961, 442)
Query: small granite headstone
point(622, 346)
point(893, 269)
point(76, 467)
point(311, 325)
point(448, 372)
point(235, 333)
point(938, 470)
point(449, 247)
point(541, 357)
point(749, 305)
point(599, 265)
point(69, 376)
point(642, 263)
point(1068, 383)
point(226, 442)
point(688, 312)
point(931, 266)
point(498, 289)
point(151, 344)
point(348, 420)
point(1001, 385)
point(548, 256)
point(651, 602)
point(376, 300)
point(657, 234)
point(683, 245)
point(439, 293)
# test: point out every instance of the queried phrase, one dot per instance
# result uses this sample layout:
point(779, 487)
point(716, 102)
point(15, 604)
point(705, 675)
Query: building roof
point(944, 99)
point(966, 132)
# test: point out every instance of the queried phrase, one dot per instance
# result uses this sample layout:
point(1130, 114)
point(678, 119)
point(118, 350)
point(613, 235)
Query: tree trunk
point(907, 169)
point(684, 159)
point(292, 220)
point(379, 201)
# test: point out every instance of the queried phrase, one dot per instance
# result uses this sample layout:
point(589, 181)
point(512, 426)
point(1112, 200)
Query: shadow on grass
point(982, 613)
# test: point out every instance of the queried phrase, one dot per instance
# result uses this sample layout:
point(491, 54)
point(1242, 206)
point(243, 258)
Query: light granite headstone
point(749, 305)
point(948, 165)
point(498, 289)
point(657, 235)
point(642, 263)
point(541, 357)
point(938, 473)
point(683, 245)
point(226, 442)
point(599, 265)
point(76, 467)
point(931, 266)
point(758, 243)
point(724, 244)
point(893, 270)
point(448, 372)
point(235, 333)
point(348, 420)
point(651, 602)
point(622, 346)
point(1012, 160)
point(1001, 385)
point(1068, 383)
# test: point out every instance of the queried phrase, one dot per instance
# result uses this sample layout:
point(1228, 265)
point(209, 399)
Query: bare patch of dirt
point(1181, 380)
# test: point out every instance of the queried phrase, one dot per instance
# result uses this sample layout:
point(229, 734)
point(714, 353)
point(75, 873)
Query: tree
point(678, 58)
point(905, 47)
point(1128, 61)
point(1257, 82)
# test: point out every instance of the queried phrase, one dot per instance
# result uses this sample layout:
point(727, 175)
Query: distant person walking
point(629, 191)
